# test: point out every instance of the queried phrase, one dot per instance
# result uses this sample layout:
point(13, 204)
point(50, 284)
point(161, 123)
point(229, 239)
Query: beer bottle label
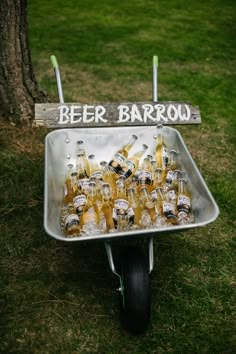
point(168, 210)
point(171, 195)
point(145, 178)
point(84, 184)
point(131, 165)
point(121, 204)
point(183, 203)
point(169, 177)
point(131, 216)
point(121, 207)
point(129, 168)
point(97, 175)
point(79, 203)
point(154, 194)
point(117, 163)
point(71, 220)
point(165, 156)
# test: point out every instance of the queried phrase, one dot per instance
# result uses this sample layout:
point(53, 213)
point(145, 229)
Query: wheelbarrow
point(133, 266)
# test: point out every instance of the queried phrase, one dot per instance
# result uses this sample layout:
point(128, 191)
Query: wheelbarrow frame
point(134, 269)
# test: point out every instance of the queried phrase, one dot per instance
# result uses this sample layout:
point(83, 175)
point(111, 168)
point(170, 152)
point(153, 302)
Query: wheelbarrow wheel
point(135, 291)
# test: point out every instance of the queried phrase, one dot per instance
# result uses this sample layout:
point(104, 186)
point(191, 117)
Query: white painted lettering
point(147, 111)
point(86, 114)
point(99, 112)
point(184, 116)
point(160, 110)
point(74, 114)
point(172, 112)
point(135, 114)
point(124, 116)
point(63, 114)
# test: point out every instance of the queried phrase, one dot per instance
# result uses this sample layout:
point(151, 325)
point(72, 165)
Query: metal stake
point(155, 79)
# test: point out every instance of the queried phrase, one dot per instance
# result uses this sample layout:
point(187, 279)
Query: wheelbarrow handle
point(58, 77)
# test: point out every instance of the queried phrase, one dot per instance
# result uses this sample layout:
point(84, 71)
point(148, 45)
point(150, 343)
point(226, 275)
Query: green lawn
point(60, 298)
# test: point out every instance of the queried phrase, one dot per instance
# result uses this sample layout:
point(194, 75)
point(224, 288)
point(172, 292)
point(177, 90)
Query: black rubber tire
point(135, 291)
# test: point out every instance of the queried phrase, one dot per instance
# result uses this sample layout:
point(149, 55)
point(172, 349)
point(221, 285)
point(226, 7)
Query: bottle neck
point(121, 189)
point(160, 194)
point(141, 152)
point(131, 193)
point(74, 181)
point(81, 166)
point(172, 159)
point(92, 192)
point(159, 135)
point(129, 144)
point(146, 165)
point(158, 176)
point(106, 192)
point(146, 198)
point(182, 186)
point(69, 189)
point(94, 167)
point(80, 148)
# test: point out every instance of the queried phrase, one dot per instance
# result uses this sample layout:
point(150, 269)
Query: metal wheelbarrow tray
point(103, 142)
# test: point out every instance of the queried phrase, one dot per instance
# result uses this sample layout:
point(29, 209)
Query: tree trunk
point(18, 87)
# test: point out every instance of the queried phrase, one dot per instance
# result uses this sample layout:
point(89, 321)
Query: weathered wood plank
point(57, 115)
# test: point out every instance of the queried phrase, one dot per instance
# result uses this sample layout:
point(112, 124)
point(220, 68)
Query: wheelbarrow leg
point(110, 258)
point(111, 262)
point(150, 254)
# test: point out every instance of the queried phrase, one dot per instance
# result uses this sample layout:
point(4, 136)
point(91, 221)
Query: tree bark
point(18, 87)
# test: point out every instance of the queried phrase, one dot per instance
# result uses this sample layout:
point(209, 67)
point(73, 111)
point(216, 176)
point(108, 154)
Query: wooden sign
point(68, 115)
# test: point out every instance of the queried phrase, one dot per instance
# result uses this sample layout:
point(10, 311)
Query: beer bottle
point(107, 207)
point(183, 198)
point(68, 195)
point(80, 150)
point(72, 224)
point(132, 163)
point(172, 163)
point(83, 185)
point(166, 208)
point(80, 193)
point(136, 206)
point(74, 181)
point(157, 182)
point(161, 150)
point(154, 166)
point(184, 204)
point(110, 177)
point(68, 187)
point(121, 206)
point(95, 169)
point(148, 204)
point(96, 175)
point(119, 158)
point(82, 166)
point(145, 175)
point(90, 215)
point(133, 180)
point(169, 172)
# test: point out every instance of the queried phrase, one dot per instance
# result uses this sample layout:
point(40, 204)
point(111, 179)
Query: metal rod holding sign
point(58, 77)
point(155, 79)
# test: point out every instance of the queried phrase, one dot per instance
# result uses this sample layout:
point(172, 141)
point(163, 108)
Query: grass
point(60, 298)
